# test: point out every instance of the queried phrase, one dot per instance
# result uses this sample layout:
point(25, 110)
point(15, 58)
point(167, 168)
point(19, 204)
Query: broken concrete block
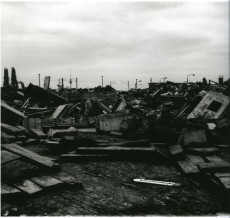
point(110, 122)
point(212, 106)
point(194, 138)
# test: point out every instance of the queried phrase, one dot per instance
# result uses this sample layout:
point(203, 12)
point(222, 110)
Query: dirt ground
point(108, 189)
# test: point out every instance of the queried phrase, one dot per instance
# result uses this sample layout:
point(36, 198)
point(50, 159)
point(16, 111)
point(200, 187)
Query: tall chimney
point(14, 82)
point(6, 78)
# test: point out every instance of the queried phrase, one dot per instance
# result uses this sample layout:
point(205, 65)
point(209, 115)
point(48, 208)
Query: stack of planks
point(25, 172)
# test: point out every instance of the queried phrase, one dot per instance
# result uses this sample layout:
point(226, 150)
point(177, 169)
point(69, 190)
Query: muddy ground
point(108, 189)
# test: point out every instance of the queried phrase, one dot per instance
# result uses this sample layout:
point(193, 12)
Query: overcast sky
point(122, 41)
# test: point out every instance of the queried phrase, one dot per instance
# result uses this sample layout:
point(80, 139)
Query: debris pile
point(182, 123)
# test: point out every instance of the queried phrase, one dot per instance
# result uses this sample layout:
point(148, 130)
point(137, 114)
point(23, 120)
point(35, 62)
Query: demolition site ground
point(108, 189)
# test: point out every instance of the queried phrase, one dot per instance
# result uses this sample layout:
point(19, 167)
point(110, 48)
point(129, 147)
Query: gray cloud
point(122, 41)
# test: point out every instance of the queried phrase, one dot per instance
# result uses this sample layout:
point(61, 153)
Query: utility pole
point(62, 83)
point(70, 80)
point(76, 83)
point(128, 85)
point(136, 84)
point(151, 81)
point(39, 79)
point(102, 80)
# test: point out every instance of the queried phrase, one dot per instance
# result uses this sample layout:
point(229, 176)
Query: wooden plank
point(84, 157)
point(225, 181)
point(214, 158)
point(58, 111)
point(222, 174)
point(187, 166)
point(115, 150)
point(46, 181)
point(11, 130)
point(9, 191)
point(87, 130)
point(7, 107)
point(30, 141)
point(195, 158)
point(7, 138)
point(176, 151)
point(31, 156)
point(214, 167)
point(203, 151)
point(68, 179)
point(7, 157)
point(28, 186)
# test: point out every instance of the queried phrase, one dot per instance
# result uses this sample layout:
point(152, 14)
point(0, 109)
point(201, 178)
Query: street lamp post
point(190, 75)
point(136, 83)
point(102, 80)
point(39, 79)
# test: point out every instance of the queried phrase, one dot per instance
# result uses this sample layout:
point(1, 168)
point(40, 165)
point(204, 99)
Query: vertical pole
point(76, 83)
point(151, 80)
point(136, 84)
point(102, 80)
point(39, 80)
point(128, 85)
point(62, 83)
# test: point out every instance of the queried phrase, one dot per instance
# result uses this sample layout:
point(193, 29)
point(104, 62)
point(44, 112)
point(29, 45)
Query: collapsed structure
point(184, 123)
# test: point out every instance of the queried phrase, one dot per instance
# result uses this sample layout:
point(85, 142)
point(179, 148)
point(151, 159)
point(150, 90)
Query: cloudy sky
point(122, 41)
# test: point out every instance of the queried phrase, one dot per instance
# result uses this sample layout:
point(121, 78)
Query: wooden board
point(68, 179)
point(29, 155)
point(28, 186)
point(187, 166)
point(11, 130)
point(7, 157)
point(115, 150)
point(214, 167)
point(7, 138)
point(203, 151)
point(225, 181)
point(7, 191)
point(85, 157)
point(195, 158)
point(176, 150)
point(46, 181)
point(222, 175)
point(214, 158)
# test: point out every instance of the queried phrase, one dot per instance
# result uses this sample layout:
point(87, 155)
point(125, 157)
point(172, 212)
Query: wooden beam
point(30, 156)
point(7, 157)
point(28, 186)
point(187, 166)
point(214, 167)
point(46, 181)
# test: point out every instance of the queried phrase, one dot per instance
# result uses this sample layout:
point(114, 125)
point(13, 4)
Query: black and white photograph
point(115, 108)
